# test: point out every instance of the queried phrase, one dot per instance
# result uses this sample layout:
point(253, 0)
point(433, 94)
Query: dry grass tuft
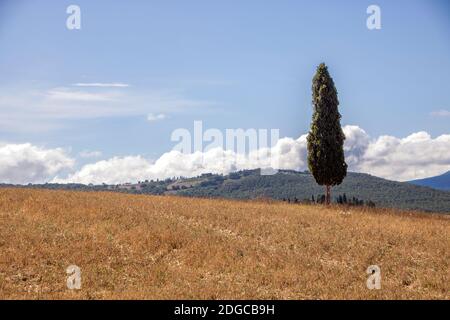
point(154, 247)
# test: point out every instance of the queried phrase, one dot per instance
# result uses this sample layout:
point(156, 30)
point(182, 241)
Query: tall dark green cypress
point(325, 140)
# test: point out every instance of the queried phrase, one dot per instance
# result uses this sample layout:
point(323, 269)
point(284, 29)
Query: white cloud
point(415, 156)
point(114, 170)
point(291, 154)
point(356, 143)
point(102, 85)
point(441, 113)
point(155, 117)
point(24, 163)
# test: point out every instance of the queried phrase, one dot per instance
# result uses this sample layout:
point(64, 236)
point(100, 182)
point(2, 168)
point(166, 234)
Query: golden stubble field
point(164, 247)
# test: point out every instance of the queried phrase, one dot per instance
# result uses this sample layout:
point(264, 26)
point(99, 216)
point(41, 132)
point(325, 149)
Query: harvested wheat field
point(162, 247)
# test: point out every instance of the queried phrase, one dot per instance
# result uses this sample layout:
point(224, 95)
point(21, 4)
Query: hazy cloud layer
point(48, 109)
point(102, 85)
point(441, 113)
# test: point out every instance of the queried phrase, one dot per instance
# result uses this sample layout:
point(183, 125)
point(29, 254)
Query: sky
point(100, 103)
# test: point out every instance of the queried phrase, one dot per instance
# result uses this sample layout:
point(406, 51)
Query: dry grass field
point(153, 247)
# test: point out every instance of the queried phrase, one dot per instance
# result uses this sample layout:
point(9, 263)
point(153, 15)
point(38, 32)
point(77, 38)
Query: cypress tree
point(325, 140)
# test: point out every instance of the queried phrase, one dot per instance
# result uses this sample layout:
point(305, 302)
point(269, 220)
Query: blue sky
point(230, 64)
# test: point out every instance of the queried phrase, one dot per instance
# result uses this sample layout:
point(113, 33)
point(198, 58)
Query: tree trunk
point(328, 194)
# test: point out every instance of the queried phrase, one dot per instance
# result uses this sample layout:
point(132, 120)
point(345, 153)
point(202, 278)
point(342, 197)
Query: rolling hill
point(169, 247)
point(286, 184)
point(441, 182)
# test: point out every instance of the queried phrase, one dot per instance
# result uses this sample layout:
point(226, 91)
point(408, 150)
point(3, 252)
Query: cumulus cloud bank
point(290, 154)
point(25, 163)
point(415, 156)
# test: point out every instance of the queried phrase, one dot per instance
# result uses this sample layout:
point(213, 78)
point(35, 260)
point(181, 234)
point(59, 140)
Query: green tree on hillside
point(325, 140)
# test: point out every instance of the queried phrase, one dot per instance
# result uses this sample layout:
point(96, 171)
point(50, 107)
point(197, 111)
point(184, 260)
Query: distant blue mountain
point(441, 182)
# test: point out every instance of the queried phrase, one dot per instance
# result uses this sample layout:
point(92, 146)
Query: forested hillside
point(301, 186)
